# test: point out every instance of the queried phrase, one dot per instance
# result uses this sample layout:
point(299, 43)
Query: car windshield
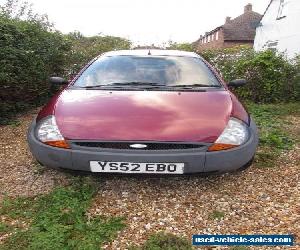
point(162, 71)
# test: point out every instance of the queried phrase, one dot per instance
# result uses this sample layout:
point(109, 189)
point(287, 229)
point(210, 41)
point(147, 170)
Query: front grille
point(150, 145)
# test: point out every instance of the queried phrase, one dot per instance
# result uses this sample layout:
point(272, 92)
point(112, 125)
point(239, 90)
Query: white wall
point(282, 34)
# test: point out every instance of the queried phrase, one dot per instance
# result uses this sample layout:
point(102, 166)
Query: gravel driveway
point(260, 200)
point(21, 175)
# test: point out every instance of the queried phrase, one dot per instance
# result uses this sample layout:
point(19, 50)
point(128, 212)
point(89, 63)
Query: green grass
point(273, 130)
point(4, 228)
point(58, 220)
point(15, 123)
point(165, 241)
point(38, 169)
point(216, 215)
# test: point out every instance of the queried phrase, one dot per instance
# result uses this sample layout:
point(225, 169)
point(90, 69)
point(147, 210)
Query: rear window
point(164, 70)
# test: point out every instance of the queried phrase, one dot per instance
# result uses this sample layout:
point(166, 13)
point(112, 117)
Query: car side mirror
point(237, 83)
point(56, 80)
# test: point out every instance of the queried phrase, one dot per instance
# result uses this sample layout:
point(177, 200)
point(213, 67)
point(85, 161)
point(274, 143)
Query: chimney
point(248, 8)
point(227, 20)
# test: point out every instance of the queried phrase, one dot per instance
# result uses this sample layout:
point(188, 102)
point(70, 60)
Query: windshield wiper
point(122, 84)
point(191, 86)
point(92, 86)
point(104, 86)
point(152, 85)
point(148, 85)
point(136, 84)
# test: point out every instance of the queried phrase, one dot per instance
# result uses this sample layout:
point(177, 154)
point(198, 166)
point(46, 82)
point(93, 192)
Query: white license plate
point(131, 167)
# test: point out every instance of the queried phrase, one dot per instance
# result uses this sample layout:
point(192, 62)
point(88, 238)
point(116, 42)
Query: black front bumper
point(196, 160)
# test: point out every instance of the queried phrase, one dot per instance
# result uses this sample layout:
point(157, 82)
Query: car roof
point(154, 52)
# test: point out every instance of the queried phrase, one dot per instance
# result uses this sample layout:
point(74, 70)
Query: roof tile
point(242, 27)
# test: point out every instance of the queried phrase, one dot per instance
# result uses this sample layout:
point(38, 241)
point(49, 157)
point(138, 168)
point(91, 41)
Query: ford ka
point(145, 112)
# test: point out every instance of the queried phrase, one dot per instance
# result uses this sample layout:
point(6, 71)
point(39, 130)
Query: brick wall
point(212, 43)
point(220, 43)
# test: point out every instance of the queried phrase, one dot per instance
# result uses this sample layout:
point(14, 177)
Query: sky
point(145, 22)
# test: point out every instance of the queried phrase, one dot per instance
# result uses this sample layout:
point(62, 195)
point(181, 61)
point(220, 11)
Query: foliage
point(273, 129)
point(29, 53)
point(86, 48)
point(270, 76)
point(216, 215)
point(180, 46)
point(4, 228)
point(20, 10)
point(296, 63)
point(165, 241)
point(58, 220)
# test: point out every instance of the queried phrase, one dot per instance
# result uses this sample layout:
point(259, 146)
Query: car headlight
point(235, 134)
point(48, 133)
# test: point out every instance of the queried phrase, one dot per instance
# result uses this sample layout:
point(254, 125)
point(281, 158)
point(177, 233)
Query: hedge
point(30, 53)
point(270, 76)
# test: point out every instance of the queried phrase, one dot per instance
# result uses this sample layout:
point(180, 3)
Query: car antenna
point(149, 53)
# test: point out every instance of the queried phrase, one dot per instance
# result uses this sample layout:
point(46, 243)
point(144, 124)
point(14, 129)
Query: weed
point(165, 241)
point(4, 228)
point(273, 135)
point(216, 215)
point(38, 168)
point(15, 123)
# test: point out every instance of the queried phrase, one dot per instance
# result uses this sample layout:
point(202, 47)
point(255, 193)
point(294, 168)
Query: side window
point(282, 11)
point(272, 45)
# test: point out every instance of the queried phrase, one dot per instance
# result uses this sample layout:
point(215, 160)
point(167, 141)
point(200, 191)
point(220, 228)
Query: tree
point(22, 10)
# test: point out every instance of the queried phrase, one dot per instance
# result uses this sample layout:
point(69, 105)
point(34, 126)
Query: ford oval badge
point(138, 146)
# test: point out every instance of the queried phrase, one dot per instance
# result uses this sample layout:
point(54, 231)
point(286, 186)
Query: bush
point(270, 76)
point(29, 52)
point(28, 55)
point(86, 48)
point(180, 46)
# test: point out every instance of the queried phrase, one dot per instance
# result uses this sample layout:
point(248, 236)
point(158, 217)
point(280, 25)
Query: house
point(279, 28)
point(237, 31)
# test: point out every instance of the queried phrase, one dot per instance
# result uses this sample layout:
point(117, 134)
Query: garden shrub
point(29, 53)
point(86, 48)
point(270, 76)
point(180, 46)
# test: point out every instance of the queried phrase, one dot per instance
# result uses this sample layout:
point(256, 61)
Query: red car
point(145, 111)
